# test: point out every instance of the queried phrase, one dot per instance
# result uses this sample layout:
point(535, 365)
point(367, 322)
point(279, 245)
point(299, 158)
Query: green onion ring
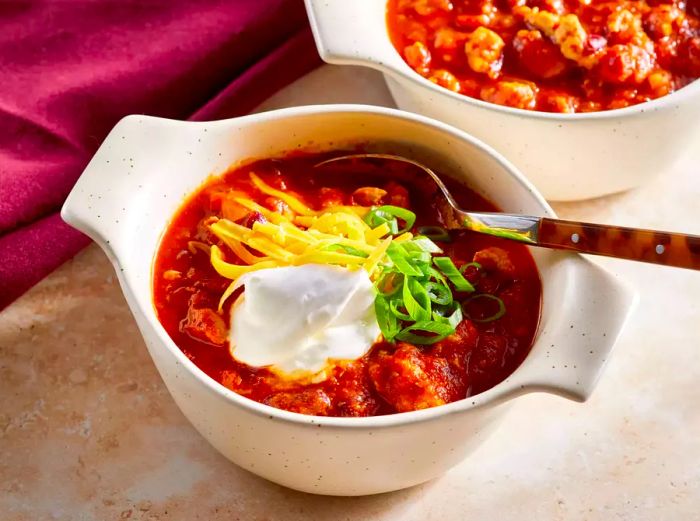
point(439, 329)
point(498, 314)
point(439, 293)
point(388, 324)
point(394, 307)
point(386, 213)
point(464, 267)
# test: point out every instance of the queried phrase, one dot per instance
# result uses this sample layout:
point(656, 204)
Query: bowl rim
point(389, 60)
point(370, 422)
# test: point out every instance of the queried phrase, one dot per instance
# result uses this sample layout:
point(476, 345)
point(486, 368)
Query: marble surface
point(88, 430)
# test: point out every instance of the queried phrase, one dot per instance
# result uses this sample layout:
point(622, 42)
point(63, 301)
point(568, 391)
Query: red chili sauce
point(390, 378)
point(551, 55)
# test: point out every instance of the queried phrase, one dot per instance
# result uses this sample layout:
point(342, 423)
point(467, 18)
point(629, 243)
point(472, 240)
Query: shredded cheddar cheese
point(336, 235)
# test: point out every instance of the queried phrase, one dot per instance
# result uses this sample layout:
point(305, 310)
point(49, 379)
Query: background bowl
point(567, 156)
point(137, 180)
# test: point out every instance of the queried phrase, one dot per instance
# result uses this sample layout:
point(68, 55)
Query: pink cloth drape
point(71, 70)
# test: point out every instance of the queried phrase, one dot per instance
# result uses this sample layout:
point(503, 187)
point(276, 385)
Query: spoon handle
point(669, 249)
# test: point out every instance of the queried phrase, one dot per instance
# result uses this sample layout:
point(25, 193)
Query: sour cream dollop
point(297, 317)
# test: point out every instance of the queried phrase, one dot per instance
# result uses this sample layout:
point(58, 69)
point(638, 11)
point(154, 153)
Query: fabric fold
point(72, 70)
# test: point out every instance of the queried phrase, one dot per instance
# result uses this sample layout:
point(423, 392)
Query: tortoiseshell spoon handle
point(669, 249)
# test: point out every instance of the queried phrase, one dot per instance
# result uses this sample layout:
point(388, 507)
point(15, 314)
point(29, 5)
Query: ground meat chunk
point(417, 56)
point(330, 197)
point(566, 31)
point(408, 379)
point(495, 258)
point(516, 94)
point(353, 396)
point(397, 194)
point(484, 50)
point(563, 103)
point(457, 347)
point(542, 20)
point(368, 196)
point(663, 19)
point(625, 27)
point(309, 401)
point(445, 79)
point(205, 324)
point(571, 37)
point(625, 63)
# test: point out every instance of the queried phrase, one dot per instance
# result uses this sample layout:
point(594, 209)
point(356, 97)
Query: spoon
point(656, 247)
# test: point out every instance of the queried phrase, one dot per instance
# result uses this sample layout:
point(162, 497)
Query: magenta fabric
point(71, 70)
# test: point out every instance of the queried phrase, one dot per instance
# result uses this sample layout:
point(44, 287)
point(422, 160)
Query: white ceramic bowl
point(138, 179)
point(567, 156)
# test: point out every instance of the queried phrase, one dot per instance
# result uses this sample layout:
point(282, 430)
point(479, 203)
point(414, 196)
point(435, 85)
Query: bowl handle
point(575, 343)
point(102, 201)
point(351, 32)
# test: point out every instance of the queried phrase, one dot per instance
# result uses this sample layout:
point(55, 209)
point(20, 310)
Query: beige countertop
point(88, 430)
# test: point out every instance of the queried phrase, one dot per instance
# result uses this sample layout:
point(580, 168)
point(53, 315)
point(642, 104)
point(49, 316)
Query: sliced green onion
point(407, 216)
point(388, 323)
point(376, 218)
point(421, 257)
point(476, 275)
point(451, 315)
point(464, 267)
point(400, 258)
point(420, 243)
point(347, 249)
point(389, 284)
point(498, 314)
point(448, 267)
point(436, 233)
point(393, 226)
point(416, 300)
point(439, 293)
point(388, 213)
point(438, 330)
point(394, 307)
point(432, 273)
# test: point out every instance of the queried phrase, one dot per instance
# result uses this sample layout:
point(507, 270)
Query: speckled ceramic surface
point(90, 432)
point(568, 156)
point(136, 181)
